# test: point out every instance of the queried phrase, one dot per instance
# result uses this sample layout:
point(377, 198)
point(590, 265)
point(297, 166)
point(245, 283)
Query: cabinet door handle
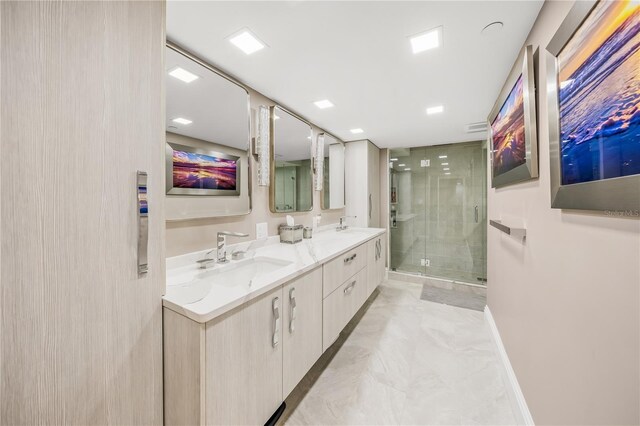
point(350, 258)
point(476, 214)
point(292, 314)
point(349, 288)
point(370, 206)
point(378, 249)
point(276, 322)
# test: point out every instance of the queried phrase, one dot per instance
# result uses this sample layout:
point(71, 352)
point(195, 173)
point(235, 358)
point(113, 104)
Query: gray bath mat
point(461, 299)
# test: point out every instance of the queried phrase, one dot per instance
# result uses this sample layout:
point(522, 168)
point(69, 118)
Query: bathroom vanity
point(239, 337)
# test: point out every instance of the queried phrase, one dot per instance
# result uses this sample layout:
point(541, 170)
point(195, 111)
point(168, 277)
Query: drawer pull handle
point(349, 288)
point(350, 258)
point(276, 322)
point(292, 303)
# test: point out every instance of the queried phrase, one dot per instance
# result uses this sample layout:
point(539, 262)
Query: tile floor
point(405, 361)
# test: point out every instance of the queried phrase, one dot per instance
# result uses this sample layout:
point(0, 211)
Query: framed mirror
point(207, 140)
point(291, 177)
point(333, 186)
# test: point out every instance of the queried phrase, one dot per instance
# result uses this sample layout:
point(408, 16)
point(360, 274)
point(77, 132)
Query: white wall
point(566, 302)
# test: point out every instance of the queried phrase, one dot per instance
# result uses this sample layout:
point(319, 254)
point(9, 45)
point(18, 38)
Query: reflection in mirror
point(207, 162)
point(333, 186)
point(291, 172)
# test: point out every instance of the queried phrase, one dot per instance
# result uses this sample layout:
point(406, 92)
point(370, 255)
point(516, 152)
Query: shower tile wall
point(435, 211)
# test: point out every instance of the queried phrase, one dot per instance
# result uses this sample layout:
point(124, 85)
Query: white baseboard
point(516, 396)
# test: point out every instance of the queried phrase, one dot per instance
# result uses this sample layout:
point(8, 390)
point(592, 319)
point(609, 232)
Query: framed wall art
point(593, 90)
point(512, 126)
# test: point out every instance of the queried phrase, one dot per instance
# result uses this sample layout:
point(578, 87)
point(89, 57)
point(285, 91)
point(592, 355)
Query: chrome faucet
point(222, 244)
point(343, 223)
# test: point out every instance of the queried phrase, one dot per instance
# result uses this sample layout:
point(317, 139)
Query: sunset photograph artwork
point(508, 134)
point(599, 95)
point(200, 171)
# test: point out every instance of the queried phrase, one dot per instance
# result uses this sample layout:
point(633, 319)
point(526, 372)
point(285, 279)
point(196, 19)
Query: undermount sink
point(238, 274)
point(243, 271)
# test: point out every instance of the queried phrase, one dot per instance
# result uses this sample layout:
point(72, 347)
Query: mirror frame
point(272, 159)
point(322, 206)
point(178, 49)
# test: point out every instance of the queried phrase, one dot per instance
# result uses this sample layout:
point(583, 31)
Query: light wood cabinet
point(362, 183)
point(343, 267)
point(244, 363)
point(239, 367)
point(376, 256)
point(340, 306)
point(302, 328)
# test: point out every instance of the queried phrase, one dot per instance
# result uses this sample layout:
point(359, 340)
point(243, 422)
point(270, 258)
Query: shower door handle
point(476, 213)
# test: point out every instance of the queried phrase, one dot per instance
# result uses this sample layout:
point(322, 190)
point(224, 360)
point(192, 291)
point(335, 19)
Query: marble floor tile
point(404, 360)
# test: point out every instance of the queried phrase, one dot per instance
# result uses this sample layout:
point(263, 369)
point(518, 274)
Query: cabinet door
point(301, 328)
point(340, 306)
point(375, 263)
point(373, 184)
point(81, 329)
point(244, 363)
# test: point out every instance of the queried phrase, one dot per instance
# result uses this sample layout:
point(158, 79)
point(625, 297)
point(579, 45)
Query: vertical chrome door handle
point(292, 314)
point(370, 206)
point(476, 214)
point(276, 322)
point(143, 222)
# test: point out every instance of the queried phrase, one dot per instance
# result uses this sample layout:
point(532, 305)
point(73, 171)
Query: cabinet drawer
point(342, 268)
point(341, 305)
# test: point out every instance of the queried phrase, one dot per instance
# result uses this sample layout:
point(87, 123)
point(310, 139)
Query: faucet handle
point(204, 263)
point(238, 254)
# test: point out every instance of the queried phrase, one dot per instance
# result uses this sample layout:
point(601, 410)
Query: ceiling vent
point(480, 126)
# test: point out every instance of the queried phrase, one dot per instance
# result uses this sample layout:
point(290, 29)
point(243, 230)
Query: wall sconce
point(318, 162)
point(262, 145)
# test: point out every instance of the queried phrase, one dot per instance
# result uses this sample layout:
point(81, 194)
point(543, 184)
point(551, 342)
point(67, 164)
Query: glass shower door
point(438, 211)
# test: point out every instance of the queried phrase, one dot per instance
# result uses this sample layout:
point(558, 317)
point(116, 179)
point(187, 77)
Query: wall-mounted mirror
point(207, 161)
point(333, 186)
point(291, 183)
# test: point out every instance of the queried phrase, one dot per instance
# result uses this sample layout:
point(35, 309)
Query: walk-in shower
point(438, 211)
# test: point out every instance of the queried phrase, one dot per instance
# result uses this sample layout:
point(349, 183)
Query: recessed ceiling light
point(181, 120)
point(427, 40)
point(401, 165)
point(308, 137)
point(407, 170)
point(447, 173)
point(442, 156)
point(356, 131)
point(394, 159)
point(446, 169)
point(445, 164)
point(325, 103)
point(275, 117)
point(247, 42)
point(435, 110)
point(182, 74)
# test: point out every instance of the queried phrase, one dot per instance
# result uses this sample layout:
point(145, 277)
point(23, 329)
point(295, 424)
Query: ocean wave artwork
point(599, 95)
point(200, 171)
point(507, 129)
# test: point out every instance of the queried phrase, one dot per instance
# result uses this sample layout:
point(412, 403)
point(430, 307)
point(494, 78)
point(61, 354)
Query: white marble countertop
point(204, 294)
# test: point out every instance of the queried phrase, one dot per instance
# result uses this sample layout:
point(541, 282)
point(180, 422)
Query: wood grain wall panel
point(81, 111)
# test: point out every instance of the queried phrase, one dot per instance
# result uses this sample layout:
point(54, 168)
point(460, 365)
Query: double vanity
point(239, 336)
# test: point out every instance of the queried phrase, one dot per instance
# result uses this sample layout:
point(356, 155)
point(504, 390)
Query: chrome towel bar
point(515, 232)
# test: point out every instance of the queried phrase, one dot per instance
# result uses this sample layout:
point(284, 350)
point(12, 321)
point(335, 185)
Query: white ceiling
point(357, 55)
